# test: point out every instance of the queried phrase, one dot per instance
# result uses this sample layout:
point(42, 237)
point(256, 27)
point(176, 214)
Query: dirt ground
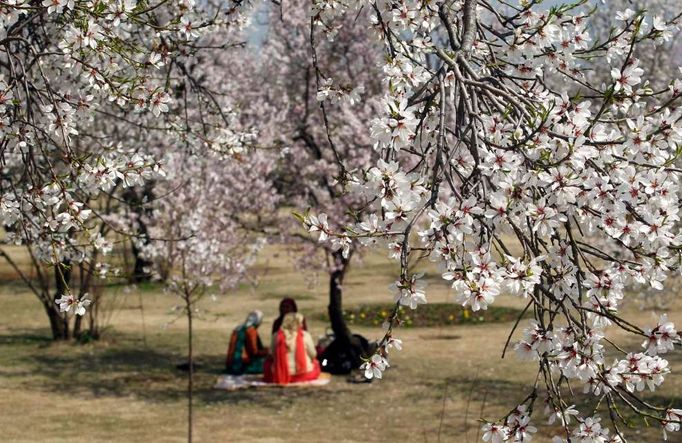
point(125, 388)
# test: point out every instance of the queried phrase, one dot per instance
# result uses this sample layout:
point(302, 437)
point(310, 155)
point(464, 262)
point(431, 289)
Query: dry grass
point(125, 388)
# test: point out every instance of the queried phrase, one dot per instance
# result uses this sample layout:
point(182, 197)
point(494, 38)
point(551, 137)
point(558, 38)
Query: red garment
point(276, 369)
point(308, 376)
point(280, 373)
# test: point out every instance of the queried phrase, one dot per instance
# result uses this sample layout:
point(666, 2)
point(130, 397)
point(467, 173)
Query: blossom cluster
point(197, 237)
point(520, 177)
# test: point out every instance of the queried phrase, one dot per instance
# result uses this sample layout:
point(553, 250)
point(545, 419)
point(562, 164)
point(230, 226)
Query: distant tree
point(660, 57)
point(198, 238)
point(312, 114)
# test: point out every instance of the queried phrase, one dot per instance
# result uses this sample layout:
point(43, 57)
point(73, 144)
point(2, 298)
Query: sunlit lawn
point(126, 388)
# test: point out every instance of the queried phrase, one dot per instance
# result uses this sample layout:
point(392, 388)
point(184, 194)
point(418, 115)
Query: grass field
point(125, 388)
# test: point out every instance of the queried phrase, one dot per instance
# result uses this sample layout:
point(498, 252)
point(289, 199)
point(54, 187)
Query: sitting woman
point(293, 353)
point(246, 352)
point(286, 306)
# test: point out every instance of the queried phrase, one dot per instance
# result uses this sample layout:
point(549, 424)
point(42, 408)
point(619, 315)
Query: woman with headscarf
point(286, 306)
point(292, 354)
point(246, 353)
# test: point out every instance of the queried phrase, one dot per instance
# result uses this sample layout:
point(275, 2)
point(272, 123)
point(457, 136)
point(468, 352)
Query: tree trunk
point(347, 350)
point(40, 285)
point(140, 273)
point(89, 285)
point(190, 377)
point(136, 201)
point(141, 266)
point(77, 326)
point(59, 323)
point(93, 323)
point(335, 308)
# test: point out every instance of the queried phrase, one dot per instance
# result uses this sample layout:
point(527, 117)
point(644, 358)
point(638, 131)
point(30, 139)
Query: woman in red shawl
point(293, 353)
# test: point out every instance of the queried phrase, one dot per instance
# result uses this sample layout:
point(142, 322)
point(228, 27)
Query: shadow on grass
point(122, 367)
point(492, 390)
point(125, 368)
point(481, 394)
point(25, 339)
point(440, 336)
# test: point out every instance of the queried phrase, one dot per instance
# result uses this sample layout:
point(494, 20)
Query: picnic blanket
point(235, 382)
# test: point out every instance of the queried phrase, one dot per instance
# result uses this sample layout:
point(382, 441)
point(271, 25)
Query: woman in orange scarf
point(246, 353)
point(293, 353)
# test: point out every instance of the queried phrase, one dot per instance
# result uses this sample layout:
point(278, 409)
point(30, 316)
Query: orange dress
point(245, 353)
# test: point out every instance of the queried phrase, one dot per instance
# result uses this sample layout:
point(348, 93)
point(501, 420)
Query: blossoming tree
point(508, 181)
point(197, 232)
point(77, 77)
point(311, 116)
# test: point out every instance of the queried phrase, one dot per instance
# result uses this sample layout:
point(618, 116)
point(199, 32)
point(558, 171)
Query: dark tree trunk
point(335, 308)
point(141, 266)
point(86, 287)
point(77, 327)
point(136, 201)
point(59, 321)
point(347, 350)
point(93, 323)
point(190, 372)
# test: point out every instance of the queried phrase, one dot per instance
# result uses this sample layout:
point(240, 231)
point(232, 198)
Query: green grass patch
point(428, 315)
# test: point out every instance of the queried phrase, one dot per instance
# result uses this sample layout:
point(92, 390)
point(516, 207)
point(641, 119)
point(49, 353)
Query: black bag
point(341, 357)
